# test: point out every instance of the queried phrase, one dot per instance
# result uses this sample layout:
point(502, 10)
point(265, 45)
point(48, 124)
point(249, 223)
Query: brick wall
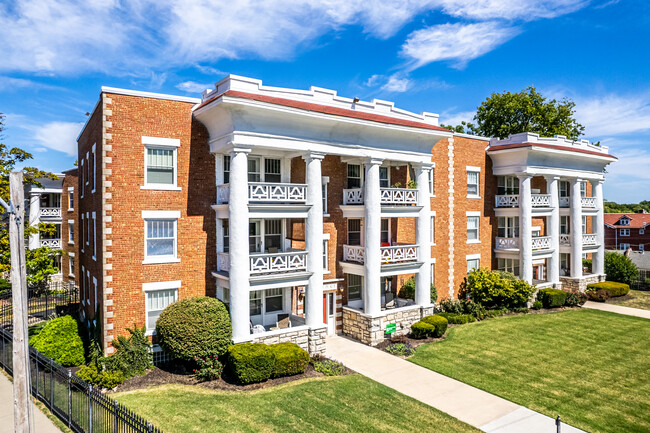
point(613, 238)
point(70, 180)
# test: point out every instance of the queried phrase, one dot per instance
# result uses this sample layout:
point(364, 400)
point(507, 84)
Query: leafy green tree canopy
point(612, 207)
point(620, 268)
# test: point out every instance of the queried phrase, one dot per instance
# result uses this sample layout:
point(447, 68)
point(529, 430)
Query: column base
point(580, 284)
point(371, 329)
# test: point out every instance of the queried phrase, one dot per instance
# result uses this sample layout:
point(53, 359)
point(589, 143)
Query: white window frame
point(623, 246)
point(347, 280)
point(432, 237)
point(642, 231)
point(387, 168)
point(94, 168)
point(153, 287)
point(70, 232)
point(624, 221)
point(83, 231)
point(477, 170)
point(94, 236)
point(347, 175)
point(641, 247)
point(71, 257)
point(432, 276)
point(83, 285)
point(165, 144)
point(474, 214)
point(95, 292)
point(624, 232)
point(326, 256)
point(148, 215)
point(88, 167)
point(83, 169)
point(432, 181)
point(509, 265)
point(471, 258)
point(70, 198)
point(88, 226)
point(325, 180)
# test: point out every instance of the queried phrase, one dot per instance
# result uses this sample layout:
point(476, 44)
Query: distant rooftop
point(559, 142)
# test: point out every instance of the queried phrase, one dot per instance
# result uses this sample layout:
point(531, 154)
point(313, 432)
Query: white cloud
point(193, 87)
point(459, 42)
point(397, 84)
point(60, 136)
point(455, 118)
point(510, 9)
point(613, 114)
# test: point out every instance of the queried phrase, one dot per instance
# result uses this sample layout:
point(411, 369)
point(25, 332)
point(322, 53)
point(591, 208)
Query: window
point(355, 285)
point(226, 236)
point(472, 264)
point(472, 228)
point(88, 227)
point(273, 235)
point(160, 238)
point(272, 170)
point(83, 286)
point(71, 262)
point(94, 237)
point(624, 232)
point(94, 168)
point(354, 232)
point(432, 181)
point(226, 169)
point(508, 227)
point(584, 224)
point(507, 185)
point(160, 166)
point(83, 232)
point(385, 232)
point(565, 190)
point(157, 301)
point(326, 255)
point(641, 231)
point(71, 231)
point(625, 221)
point(71, 198)
point(624, 247)
point(433, 230)
point(508, 265)
point(88, 168)
point(255, 303)
point(354, 176)
point(583, 189)
point(472, 183)
point(564, 225)
point(433, 276)
point(95, 292)
point(254, 237)
point(274, 300)
point(641, 247)
point(565, 264)
point(83, 169)
point(324, 192)
point(384, 177)
point(254, 174)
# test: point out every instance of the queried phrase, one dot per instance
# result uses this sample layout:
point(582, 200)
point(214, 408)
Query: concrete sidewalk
point(628, 311)
point(478, 408)
point(41, 423)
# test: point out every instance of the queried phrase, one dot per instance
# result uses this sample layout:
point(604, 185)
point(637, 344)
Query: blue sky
point(444, 56)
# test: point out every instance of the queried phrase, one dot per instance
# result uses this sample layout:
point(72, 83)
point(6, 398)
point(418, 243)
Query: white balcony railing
point(589, 202)
point(565, 239)
point(506, 243)
point(259, 192)
point(52, 243)
point(353, 253)
point(392, 254)
point(278, 262)
point(509, 200)
point(541, 200)
point(589, 239)
point(564, 201)
point(541, 243)
point(223, 262)
point(388, 196)
point(50, 212)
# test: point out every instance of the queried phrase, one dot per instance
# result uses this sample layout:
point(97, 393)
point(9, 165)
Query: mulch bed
point(172, 373)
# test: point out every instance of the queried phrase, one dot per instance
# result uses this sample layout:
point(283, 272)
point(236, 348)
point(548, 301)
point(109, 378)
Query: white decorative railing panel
point(223, 193)
point(50, 212)
point(285, 192)
point(541, 200)
point(506, 243)
point(541, 243)
point(564, 201)
point(52, 243)
point(353, 196)
point(399, 253)
point(399, 196)
point(588, 202)
point(278, 262)
point(589, 239)
point(223, 262)
point(509, 200)
point(353, 253)
point(565, 239)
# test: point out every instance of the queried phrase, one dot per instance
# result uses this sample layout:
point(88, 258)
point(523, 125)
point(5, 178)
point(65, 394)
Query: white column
point(598, 259)
point(576, 229)
point(525, 228)
point(423, 237)
point(553, 228)
point(372, 238)
point(314, 240)
point(239, 257)
point(34, 219)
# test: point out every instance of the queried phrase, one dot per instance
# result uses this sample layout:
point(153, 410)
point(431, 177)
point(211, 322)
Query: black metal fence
point(82, 408)
point(42, 302)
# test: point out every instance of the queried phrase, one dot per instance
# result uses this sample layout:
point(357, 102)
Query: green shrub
point(5, 288)
point(496, 289)
point(473, 308)
point(208, 368)
point(401, 349)
point(407, 291)
point(434, 294)
point(457, 319)
point(620, 268)
point(132, 354)
point(194, 328)
point(450, 305)
point(60, 340)
point(422, 330)
point(587, 264)
point(537, 305)
point(102, 379)
point(552, 298)
point(327, 366)
point(496, 312)
point(521, 310)
point(440, 323)
point(598, 295)
point(613, 288)
point(251, 362)
point(575, 299)
point(290, 359)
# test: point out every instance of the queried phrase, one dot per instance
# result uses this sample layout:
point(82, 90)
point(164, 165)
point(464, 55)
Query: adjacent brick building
point(627, 230)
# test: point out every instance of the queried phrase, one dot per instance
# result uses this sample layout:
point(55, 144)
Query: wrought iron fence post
point(117, 421)
point(51, 383)
point(69, 398)
point(37, 373)
point(90, 408)
point(149, 427)
point(558, 423)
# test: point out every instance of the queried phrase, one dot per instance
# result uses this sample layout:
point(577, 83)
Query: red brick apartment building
point(305, 211)
point(627, 230)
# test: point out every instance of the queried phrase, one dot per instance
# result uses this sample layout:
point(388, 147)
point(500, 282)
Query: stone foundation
point(312, 340)
point(580, 284)
point(371, 329)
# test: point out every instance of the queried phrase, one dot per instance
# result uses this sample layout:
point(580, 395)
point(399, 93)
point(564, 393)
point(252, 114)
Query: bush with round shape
point(575, 299)
point(103, 379)
point(194, 328)
point(251, 362)
point(598, 295)
point(407, 291)
point(537, 305)
point(552, 298)
point(494, 289)
point(60, 340)
point(440, 324)
point(613, 288)
point(422, 330)
point(290, 359)
point(620, 268)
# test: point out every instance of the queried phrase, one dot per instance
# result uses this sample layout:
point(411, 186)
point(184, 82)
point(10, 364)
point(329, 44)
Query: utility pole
point(16, 211)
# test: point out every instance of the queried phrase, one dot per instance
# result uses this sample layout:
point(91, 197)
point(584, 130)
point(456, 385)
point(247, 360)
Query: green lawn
point(335, 404)
point(640, 299)
point(589, 366)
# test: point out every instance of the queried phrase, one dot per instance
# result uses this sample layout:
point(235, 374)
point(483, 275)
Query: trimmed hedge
point(422, 330)
point(194, 328)
point(104, 379)
point(290, 359)
point(60, 340)
point(552, 298)
point(251, 362)
point(438, 322)
point(457, 319)
point(615, 289)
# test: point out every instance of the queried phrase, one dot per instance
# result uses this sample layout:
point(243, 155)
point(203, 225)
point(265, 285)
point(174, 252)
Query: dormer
point(623, 221)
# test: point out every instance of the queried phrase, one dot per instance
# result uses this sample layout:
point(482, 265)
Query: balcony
point(588, 202)
point(392, 254)
point(268, 263)
point(589, 240)
point(539, 243)
point(261, 192)
point(565, 239)
point(509, 200)
point(52, 243)
point(541, 200)
point(388, 196)
point(564, 201)
point(50, 212)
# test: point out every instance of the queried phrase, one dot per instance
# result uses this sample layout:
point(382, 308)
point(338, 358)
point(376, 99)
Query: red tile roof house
point(627, 230)
point(294, 203)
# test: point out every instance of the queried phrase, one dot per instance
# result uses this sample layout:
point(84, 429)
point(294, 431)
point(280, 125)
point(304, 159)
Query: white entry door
point(330, 312)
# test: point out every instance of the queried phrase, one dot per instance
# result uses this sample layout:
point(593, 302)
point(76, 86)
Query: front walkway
point(41, 423)
point(628, 311)
point(478, 408)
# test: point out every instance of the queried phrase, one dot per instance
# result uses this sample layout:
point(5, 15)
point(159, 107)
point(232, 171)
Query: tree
point(620, 268)
point(503, 114)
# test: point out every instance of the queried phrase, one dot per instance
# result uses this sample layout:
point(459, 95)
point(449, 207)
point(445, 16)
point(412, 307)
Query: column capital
point(239, 148)
point(550, 177)
point(373, 161)
point(524, 175)
point(309, 156)
point(424, 166)
point(597, 181)
point(575, 180)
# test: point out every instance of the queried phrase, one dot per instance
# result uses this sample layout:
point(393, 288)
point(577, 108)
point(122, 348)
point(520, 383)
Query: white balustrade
point(564, 201)
point(223, 262)
point(399, 253)
point(589, 202)
point(589, 239)
point(391, 196)
point(353, 253)
point(223, 193)
point(50, 212)
point(509, 200)
point(278, 262)
point(541, 200)
point(284, 192)
point(565, 239)
point(541, 243)
point(52, 243)
point(506, 243)
point(353, 196)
